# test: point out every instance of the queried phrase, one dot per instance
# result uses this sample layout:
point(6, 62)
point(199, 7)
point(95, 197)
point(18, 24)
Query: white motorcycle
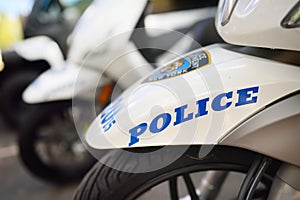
point(221, 107)
point(46, 27)
point(48, 142)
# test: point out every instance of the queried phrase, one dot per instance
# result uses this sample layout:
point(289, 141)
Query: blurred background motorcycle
point(53, 21)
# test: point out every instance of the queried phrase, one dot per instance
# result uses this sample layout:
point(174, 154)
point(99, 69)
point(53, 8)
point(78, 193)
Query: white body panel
point(228, 72)
point(177, 19)
point(97, 24)
point(71, 79)
point(258, 23)
point(40, 48)
point(102, 20)
point(59, 84)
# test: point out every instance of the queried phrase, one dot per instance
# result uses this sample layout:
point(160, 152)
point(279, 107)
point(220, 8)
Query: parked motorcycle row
point(141, 99)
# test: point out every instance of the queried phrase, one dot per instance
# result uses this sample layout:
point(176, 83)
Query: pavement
point(16, 182)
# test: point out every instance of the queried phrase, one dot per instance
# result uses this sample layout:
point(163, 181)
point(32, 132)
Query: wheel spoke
point(190, 186)
point(247, 181)
point(173, 188)
point(254, 176)
point(256, 179)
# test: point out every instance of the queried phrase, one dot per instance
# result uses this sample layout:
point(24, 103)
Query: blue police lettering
point(135, 132)
point(107, 117)
point(216, 103)
point(219, 103)
point(180, 115)
point(202, 107)
point(107, 126)
point(166, 117)
point(245, 96)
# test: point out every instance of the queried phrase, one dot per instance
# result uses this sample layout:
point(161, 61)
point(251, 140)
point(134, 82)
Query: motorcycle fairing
point(92, 30)
point(198, 107)
point(100, 48)
point(71, 79)
point(273, 131)
point(62, 84)
point(102, 20)
point(40, 48)
point(247, 26)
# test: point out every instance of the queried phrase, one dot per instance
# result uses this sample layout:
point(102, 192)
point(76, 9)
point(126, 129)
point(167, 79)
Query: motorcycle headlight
point(292, 19)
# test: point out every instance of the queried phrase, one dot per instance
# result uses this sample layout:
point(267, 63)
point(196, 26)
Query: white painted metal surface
point(251, 83)
point(258, 23)
point(40, 48)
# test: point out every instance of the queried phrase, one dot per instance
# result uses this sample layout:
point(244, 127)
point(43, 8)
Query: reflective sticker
point(181, 66)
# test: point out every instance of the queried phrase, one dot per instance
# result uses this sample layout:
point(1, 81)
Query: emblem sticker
point(181, 66)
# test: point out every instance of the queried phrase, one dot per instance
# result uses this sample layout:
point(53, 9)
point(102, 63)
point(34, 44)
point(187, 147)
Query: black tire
point(12, 106)
point(103, 182)
point(29, 139)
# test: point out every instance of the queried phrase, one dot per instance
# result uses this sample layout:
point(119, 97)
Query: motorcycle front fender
point(40, 48)
point(196, 99)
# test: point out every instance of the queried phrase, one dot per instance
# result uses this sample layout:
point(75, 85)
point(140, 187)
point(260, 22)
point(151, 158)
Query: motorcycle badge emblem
point(180, 66)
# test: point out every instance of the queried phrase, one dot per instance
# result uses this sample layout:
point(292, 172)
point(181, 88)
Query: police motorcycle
point(46, 27)
point(22, 66)
point(232, 107)
point(48, 141)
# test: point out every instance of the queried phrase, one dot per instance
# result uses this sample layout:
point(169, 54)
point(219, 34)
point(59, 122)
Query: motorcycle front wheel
point(103, 182)
point(50, 146)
